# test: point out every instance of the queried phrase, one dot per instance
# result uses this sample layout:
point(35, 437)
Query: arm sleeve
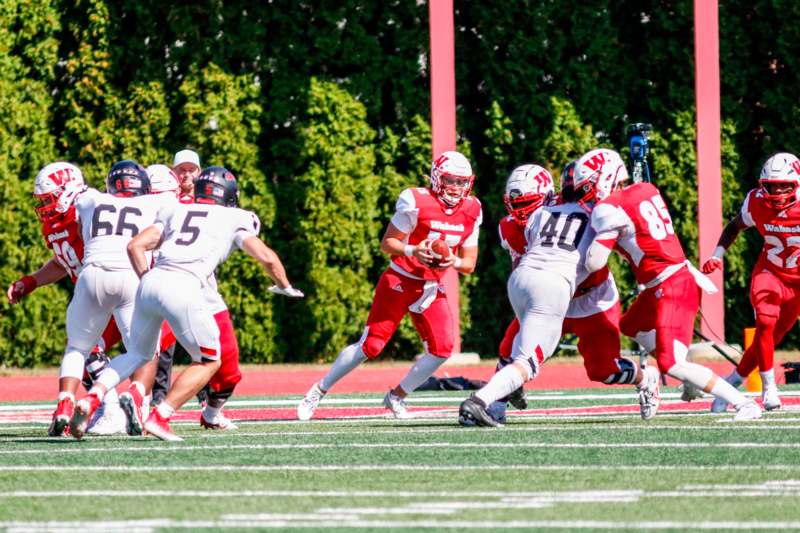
point(472, 240)
point(608, 222)
point(406, 211)
point(248, 226)
point(597, 256)
point(503, 242)
point(163, 215)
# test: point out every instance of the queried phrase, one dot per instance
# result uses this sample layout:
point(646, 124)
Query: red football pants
point(393, 296)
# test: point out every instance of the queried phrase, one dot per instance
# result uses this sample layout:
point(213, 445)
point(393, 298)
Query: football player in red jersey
point(772, 209)
point(444, 210)
point(55, 188)
point(593, 315)
point(635, 222)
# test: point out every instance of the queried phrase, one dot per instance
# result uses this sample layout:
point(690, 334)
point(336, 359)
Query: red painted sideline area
point(285, 379)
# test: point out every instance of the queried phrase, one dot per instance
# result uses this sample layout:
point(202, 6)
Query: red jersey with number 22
point(62, 234)
point(635, 220)
point(422, 216)
point(781, 231)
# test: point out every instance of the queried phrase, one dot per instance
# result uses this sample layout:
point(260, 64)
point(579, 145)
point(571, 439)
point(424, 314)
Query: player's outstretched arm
point(597, 255)
point(148, 239)
point(255, 248)
point(393, 244)
point(729, 234)
point(50, 272)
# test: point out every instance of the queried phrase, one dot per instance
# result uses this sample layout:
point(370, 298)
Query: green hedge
point(322, 111)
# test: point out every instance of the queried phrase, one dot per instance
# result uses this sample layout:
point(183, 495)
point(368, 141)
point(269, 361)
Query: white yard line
point(299, 520)
point(427, 399)
point(544, 445)
point(397, 467)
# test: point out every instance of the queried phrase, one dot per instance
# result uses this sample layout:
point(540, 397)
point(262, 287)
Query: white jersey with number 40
point(198, 237)
point(558, 237)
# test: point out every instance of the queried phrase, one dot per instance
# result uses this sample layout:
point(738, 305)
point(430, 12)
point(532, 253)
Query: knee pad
point(372, 346)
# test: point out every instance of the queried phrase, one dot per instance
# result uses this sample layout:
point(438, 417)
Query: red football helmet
point(55, 188)
point(597, 174)
point(780, 179)
point(527, 189)
point(451, 178)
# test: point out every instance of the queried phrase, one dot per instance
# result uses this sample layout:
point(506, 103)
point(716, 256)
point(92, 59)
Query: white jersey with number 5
point(109, 222)
point(558, 237)
point(198, 237)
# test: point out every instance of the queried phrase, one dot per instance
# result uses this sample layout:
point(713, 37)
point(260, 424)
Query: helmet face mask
point(216, 185)
point(527, 189)
point(127, 179)
point(451, 178)
point(55, 188)
point(598, 173)
point(780, 180)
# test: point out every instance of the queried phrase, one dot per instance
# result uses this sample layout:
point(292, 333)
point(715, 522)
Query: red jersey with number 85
point(636, 222)
point(781, 231)
point(62, 234)
point(420, 215)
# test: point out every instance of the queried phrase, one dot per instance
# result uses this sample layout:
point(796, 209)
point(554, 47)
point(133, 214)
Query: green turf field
point(683, 471)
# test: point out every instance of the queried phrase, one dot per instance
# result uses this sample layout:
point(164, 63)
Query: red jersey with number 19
point(781, 231)
point(636, 222)
point(62, 234)
point(420, 215)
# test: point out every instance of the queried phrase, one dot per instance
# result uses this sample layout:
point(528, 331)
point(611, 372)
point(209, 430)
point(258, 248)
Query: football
point(440, 251)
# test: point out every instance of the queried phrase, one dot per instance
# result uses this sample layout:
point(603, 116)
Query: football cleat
point(59, 427)
point(397, 406)
point(309, 403)
point(719, 405)
point(649, 396)
point(84, 410)
point(517, 399)
point(472, 412)
point(770, 398)
point(132, 403)
point(109, 419)
point(749, 410)
point(219, 422)
point(158, 426)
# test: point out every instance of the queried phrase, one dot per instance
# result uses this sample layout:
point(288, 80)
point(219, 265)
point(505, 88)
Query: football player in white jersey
point(540, 290)
point(192, 240)
point(106, 284)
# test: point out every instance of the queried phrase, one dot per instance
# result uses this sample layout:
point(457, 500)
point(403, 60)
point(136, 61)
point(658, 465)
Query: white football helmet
point(781, 169)
point(527, 189)
point(56, 187)
point(451, 178)
point(162, 179)
point(597, 174)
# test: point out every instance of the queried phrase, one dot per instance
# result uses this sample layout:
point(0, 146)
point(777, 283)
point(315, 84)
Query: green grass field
point(683, 471)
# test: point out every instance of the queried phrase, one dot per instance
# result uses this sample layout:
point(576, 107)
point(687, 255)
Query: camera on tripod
point(637, 141)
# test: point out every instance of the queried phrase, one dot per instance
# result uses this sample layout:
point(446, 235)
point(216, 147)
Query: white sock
point(348, 359)
point(165, 410)
point(701, 377)
point(768, 378)
point(502, 384)
point(71, 364)
point(423, 368)
point(65, 394)
point(210, 413)
point(108, 378)
point(111, 397)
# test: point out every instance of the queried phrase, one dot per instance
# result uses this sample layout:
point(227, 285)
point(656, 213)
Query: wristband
point(719, 251)
point(409, 250)
point(30, 283)
point(457, 263)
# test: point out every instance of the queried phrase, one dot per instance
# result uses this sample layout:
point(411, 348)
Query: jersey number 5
point(193, 232)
